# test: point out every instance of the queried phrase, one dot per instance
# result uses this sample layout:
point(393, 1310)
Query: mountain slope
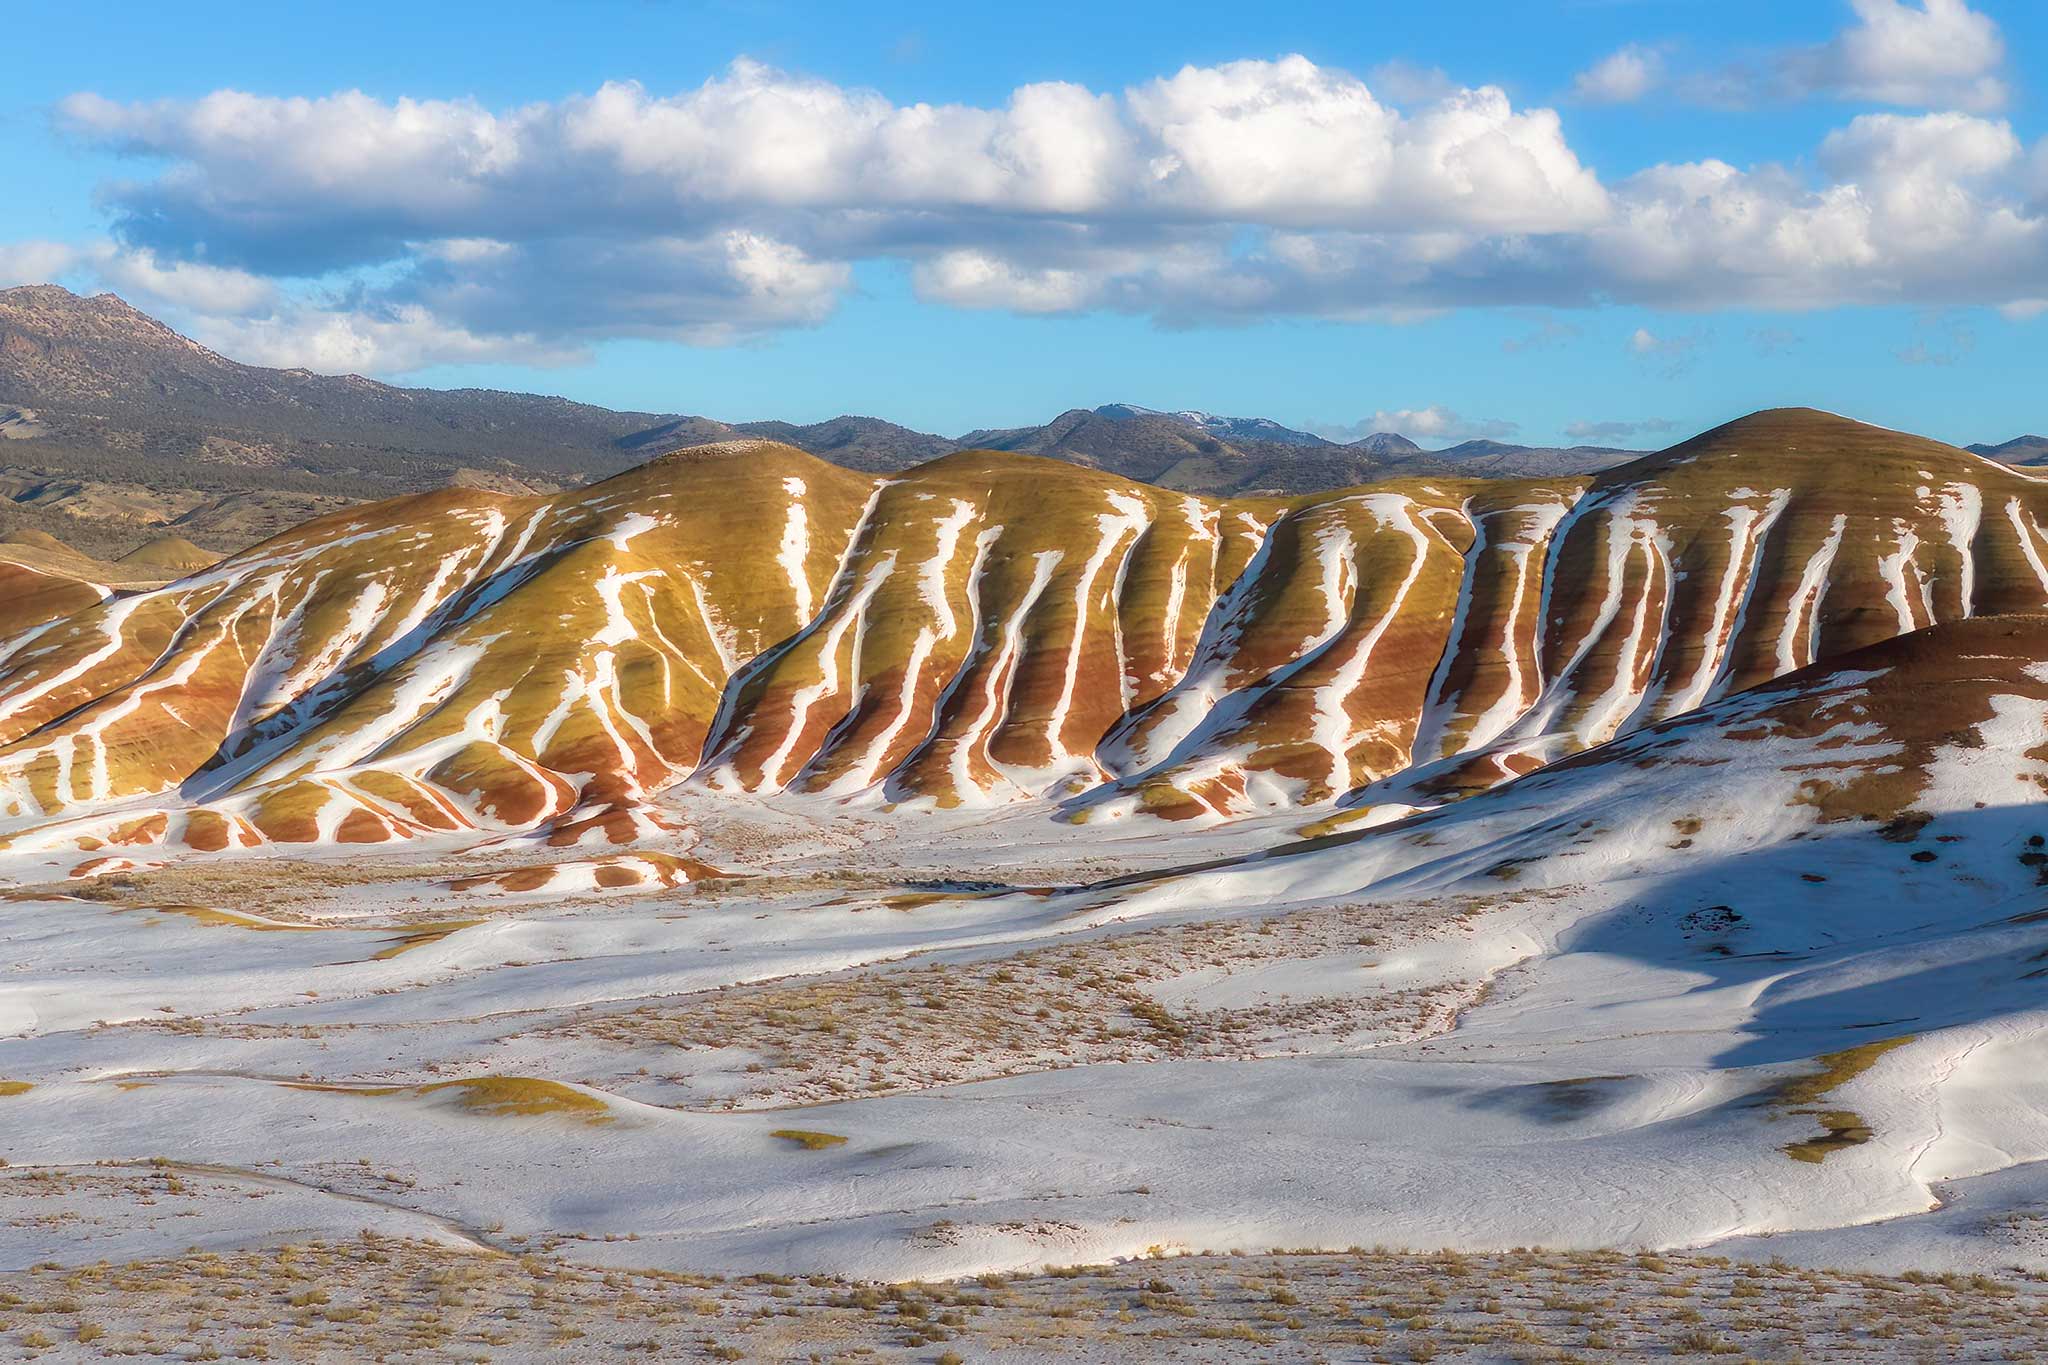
point(2021, 450)
point(135, 426)
point(1499, 460)
point(867, 443)
point(983, 629)
point(1236, 429)
point(101, 370)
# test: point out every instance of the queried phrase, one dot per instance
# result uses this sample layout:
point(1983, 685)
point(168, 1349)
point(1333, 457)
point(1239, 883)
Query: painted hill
point(43, 580)
point(1672, 836)
point(986, 628)
point(1928, 747)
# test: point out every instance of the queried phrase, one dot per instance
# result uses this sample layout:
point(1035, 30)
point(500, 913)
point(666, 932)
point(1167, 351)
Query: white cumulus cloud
point(1238, 191)
point(1925, 54)
point(1934, 52)
point(1621, 77)
point(34, 262)
point(1431, 425)
point(381, 341)
point(190, 285)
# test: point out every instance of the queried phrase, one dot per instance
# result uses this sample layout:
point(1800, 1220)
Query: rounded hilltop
point(716, 452)
point(745, 459)
point(756, 476)
point(38, 549)
point(31, 536)
point(169, 555)
point(1806, 434)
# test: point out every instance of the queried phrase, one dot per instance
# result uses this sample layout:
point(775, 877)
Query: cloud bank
point(386, 235)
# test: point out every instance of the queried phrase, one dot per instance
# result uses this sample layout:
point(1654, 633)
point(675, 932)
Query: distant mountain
point(97, 370)
point(1483, 459)
point(1499, 460)
point(116, 430)
point(1225, 428)
point(2020, 450)
point(1191, 451)
point(1388, 445)
point(856, 442)
point(109, 410)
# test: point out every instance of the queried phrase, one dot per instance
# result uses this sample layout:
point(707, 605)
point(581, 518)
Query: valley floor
point(334, 1107)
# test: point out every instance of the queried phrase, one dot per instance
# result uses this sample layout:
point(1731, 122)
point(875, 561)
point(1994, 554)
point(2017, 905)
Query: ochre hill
point(168, 557)
point(984, 628)
point(44, 580)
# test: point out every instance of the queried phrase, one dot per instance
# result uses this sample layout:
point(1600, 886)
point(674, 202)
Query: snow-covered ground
point(1565, 1022)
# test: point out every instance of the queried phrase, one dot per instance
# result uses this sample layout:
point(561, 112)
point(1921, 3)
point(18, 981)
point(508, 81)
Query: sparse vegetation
point(1800, 1094)
point(342, 1301)
point(874, 1032)
point(808, 1140)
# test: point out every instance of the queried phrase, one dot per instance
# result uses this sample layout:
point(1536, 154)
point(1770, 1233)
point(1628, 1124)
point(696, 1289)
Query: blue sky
point(1594, 220)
